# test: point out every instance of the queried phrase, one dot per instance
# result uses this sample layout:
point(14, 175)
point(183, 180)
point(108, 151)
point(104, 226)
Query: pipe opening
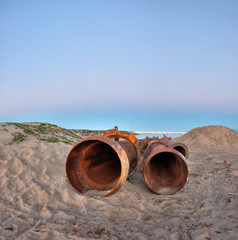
point(181, 150)
point(166, 173)
point(94, 162)
point(100, 163)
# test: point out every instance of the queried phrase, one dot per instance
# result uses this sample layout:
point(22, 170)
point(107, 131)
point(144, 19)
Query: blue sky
point(153, 65)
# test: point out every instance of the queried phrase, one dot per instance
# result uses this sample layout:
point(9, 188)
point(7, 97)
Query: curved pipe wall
point(99, 163)
point(105, 162)
point(182, 148)
point(165, 170)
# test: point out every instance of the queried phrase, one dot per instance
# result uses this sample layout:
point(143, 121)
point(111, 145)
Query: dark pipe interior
point(166, 172)
point(96, 162)
point(101, 163)
point(181, 150)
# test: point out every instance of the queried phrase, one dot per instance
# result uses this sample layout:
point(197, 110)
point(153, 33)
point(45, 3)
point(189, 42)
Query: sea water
point(141, 136)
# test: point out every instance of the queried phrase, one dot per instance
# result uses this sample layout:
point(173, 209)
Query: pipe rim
point(151, 156)
point(186, 155)
point(120, 153)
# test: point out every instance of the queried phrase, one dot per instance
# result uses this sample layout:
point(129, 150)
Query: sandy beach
point(37, 201)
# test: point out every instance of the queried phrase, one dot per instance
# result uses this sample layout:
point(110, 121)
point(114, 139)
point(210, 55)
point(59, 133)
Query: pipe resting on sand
point(165, 170)
point(105, 162)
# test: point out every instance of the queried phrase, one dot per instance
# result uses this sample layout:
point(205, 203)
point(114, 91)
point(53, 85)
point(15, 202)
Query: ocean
point(141, 136)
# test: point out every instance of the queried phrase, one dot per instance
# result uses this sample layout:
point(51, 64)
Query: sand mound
point(211, 136)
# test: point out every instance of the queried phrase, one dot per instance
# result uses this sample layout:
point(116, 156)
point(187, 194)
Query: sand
point(211, 136)
point(37, 202)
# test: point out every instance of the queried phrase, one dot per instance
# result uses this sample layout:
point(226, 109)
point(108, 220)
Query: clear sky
point(154, 65)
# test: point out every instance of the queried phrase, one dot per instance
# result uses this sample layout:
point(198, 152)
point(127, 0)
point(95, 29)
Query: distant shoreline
point(87, 132)
point(138, 132)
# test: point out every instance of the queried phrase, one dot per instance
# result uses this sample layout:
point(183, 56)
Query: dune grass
point(45, 132)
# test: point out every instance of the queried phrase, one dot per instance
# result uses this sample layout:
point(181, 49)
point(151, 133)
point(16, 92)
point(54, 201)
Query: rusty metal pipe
point(165, 170)
point(138, 145)
point(99, 163)
point(182, 148)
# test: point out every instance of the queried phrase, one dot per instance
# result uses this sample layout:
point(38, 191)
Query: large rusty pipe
point(140, 145)
point(165, 170)
point(182, 148)
point(99, 163)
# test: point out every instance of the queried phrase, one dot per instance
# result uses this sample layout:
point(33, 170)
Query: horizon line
point(140, 132)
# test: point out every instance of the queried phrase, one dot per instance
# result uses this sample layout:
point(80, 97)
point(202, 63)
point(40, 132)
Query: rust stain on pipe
point(99, 163)
point(105, 162)
point(182, 148)
point(165, 170)
point(138, 145)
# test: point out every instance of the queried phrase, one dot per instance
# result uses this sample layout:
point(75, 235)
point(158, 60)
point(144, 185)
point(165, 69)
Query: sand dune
point(37, 202)
point(211, 136)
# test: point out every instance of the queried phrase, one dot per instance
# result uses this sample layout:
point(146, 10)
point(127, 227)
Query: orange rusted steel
point(99, 163)
point(138, 145)
point(165, 170)
point(104, 162)
point(182, 148)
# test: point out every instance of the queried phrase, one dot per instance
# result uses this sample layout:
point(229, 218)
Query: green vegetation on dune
point(18, 137)
point(46, 132)
point(50, 139)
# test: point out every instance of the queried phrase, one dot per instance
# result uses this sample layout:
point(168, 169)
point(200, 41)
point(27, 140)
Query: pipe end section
point(97, 163)
point(165, 172)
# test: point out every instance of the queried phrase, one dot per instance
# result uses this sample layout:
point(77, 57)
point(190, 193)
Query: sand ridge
point(211, 136)
point(37, 202)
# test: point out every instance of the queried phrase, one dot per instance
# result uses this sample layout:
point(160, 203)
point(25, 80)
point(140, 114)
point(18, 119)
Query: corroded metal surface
point(182, 148)
point(99, 163)
point(114, 133)
point(165, 170)
point(138, 145)
point(105, 162)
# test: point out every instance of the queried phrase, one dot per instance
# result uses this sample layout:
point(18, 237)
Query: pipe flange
point(114, 133)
